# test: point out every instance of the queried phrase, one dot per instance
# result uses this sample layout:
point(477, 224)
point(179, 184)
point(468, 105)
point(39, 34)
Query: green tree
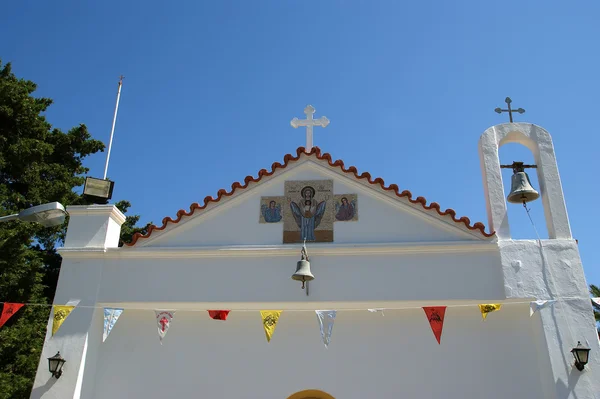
point(38, 164)
point(129, 228)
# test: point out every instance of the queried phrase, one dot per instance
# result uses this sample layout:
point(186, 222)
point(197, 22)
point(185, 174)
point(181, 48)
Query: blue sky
point(210, 88)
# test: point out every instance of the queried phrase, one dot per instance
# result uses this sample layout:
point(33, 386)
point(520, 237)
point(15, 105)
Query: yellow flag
point(61, 312)
point(269, 320)
point(488, 308)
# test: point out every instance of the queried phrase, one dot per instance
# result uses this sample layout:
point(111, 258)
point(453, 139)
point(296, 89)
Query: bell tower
point(543, 269)
point(539, 142)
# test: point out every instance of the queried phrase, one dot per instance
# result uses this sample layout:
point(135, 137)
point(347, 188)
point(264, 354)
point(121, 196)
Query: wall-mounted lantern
point(581, 355)
point(55, 365)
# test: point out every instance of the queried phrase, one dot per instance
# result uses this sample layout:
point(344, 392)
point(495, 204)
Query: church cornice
point(314, 152)
point(247, 251)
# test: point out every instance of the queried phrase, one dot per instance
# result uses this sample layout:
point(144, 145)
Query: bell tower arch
point(311, 394)
point(539, 142)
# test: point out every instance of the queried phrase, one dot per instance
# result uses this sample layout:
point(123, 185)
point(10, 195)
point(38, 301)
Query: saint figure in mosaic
point(308, 213)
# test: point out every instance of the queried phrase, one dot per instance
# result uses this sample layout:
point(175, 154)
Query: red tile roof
point(316, 152)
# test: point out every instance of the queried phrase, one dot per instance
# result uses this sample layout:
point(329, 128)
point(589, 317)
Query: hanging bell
point(521, 190)
point(303, 269)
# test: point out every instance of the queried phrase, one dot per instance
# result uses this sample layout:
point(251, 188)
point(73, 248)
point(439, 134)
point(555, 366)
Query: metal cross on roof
point(309, 122)
point(507, 100)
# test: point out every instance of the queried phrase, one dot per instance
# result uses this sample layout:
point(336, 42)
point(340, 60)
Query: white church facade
point(399, 272)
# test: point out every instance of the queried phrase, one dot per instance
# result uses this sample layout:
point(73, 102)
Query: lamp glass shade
point(55, 363)
point(581, 354)
point(51, 214)
point(98, 188)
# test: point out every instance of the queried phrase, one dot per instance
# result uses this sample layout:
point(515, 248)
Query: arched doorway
point(311, 394)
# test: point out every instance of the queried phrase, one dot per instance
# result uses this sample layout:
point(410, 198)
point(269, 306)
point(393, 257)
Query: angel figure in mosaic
point(308, 213)
point(272, 213)
point(345, 210)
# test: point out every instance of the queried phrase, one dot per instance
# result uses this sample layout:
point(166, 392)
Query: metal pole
point(112, 131)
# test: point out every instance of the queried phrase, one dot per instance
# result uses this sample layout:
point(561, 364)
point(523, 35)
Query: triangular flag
point(541, 304)
point(111, 315)
point(326, 319)
point(269, 320)
point(488, 308)
point(596, 301)
point(8, 311)
point(218, 314)
point(435, 315)
point(61, 312)
point(376, 310)
point(163, 322)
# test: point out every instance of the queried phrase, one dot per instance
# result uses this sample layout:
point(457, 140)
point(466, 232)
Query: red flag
point(218, 314)
point(435, 315)
point(8, 311)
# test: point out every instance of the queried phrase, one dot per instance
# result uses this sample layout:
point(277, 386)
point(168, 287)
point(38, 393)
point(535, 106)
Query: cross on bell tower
point(507, 100)
point(309, 122)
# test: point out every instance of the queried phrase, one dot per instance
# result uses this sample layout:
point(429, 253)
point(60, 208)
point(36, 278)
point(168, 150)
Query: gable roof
point(315, 152)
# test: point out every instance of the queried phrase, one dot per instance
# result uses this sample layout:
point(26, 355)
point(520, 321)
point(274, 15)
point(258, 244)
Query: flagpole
point(112, 131)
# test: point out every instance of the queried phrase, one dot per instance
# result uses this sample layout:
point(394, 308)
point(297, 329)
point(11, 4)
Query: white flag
point(596, 301)
point(111, 315)
point(326, 319)
point(376, 310)
point(541, 304)
point(163, 322)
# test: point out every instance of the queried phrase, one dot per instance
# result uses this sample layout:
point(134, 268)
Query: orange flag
point(435, 315)
point(8, 311)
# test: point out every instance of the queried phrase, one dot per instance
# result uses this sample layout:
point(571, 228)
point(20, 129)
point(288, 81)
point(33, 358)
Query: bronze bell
point(521, 190)
point(303, 268)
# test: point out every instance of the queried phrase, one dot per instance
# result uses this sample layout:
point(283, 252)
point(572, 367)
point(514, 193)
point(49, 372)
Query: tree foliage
point(38, 164)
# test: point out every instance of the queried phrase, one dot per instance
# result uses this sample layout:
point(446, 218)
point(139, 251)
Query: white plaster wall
point(552, 269)
point(371, 356)
point(235, 221)
point(78, 281)
point(405, 277)
point(509, 355)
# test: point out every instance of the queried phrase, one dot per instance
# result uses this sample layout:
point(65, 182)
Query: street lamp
point(48, 215)
point(55, 365)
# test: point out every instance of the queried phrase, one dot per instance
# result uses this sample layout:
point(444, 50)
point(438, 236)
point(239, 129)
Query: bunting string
point(462, 305)
point(270, 318)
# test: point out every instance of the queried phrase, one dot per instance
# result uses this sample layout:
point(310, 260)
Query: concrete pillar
point(90, 227)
